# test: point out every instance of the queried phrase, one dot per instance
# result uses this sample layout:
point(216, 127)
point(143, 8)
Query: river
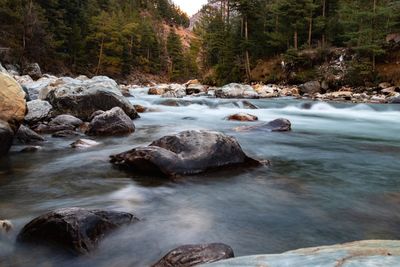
point(334, 178)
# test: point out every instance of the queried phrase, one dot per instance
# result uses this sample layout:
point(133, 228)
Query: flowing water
point(334, 178)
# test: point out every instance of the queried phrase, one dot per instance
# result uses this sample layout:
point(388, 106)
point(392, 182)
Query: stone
point(33, 70)
point(194, 255)
point(27, 136)
point(66, 120)
point(30, 149)
point(82, 98)
point(310, 88)
point(361, 253)
point(111, 123)
point(38, 111)
point(243, 117)
point(36, 88)
point(186, 153)
point(75, 231)
point(12, 99)
point(65, 134)
point(5, 226)
point(84, 143)
point(235, 90)
point(384, 85)
point(395, 100)
point(140, 109)
point(193, 89)
point(6, 137)
point(278, 125)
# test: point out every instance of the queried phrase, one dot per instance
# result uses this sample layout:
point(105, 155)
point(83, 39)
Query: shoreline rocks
point(186, 153)
point(75, 231)
point(194, 255)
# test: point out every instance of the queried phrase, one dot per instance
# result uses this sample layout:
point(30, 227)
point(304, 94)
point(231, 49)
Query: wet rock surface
point(278, 125)
point(186, 153)
point(27, 136)
point(6, 137)
point(38, 111)
point(111, 123)
point(75, 231)
point(194, 255)
point(242, 117)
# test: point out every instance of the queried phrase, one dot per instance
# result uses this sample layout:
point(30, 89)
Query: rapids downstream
point(333, 179)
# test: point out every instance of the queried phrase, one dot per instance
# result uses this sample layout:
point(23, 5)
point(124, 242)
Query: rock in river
point(38, 110)
point(193, 255)
point(74, 230)
point(278, 125)
point(242, 117)
point(111, 123)
point(27, 136)
point(82, 98)
point(6, 137)
point(235, 90)
point(186, 153)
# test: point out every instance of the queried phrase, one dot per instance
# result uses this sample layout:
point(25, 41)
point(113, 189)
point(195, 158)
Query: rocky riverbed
point(85, 180)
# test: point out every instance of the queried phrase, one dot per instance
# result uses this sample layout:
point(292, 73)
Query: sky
point(190, 6)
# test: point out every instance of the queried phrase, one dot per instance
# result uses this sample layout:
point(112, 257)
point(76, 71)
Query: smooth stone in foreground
point(355, 254)
point(278, 125)
point(186, 153)
point(73, 230)
point(192, 255)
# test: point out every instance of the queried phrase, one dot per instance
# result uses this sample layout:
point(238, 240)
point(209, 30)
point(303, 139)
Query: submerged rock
point(82, 98)
point(278, 125)
point(5, 226)
point(193, 255)
point(186, 153)
point(84, 143)
point(362, 253)
point(74, 230)
point(111, 123)
point(243, 117)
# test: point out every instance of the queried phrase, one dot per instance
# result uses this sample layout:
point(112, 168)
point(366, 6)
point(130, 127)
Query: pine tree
point(176, 56)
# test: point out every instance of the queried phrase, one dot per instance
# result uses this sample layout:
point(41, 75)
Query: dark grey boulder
point(33, 70)
point(395, 100)
point(278, 125)
point(38, 111)
point(193, 255)
point(6, 137)
point(75, 231)
point(111, 123)
point(27, 136)
point(66, 120)
point(186, 153)
point(84, 98)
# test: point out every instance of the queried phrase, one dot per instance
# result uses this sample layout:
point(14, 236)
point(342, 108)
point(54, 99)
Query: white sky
point(190, 6)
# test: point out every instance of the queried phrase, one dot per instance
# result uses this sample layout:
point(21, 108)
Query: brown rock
point(243, 117)
point(193, 255)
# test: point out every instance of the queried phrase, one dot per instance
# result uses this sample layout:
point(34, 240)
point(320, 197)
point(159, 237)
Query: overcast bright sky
point(190, 6)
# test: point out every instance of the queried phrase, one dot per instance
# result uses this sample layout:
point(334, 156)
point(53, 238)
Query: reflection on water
point(335, 178)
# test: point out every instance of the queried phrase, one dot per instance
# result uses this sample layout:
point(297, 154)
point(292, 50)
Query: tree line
point(111, 37)
point(236, 33)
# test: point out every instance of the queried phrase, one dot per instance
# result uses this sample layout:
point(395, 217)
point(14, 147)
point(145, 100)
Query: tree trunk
point(295, 37)
point(310, 29)
point(100, 56)
point(246, 33)
point(324, 16)
point(373, 37)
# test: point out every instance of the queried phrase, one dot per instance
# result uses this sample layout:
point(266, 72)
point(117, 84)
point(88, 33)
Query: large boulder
point(235, 90)
point(395, 100)
point(35, 88)
point(81, 98)
point(38, 111)
point(362, 253)
point(193, 89)
point(186, 153)
point(193, 255)
point(60, 125)
point(278, 125)
point(6, 137)
point(110, 123)
point(12, 101)
point(74, 230)
point(310, 88)
point(33, 70)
